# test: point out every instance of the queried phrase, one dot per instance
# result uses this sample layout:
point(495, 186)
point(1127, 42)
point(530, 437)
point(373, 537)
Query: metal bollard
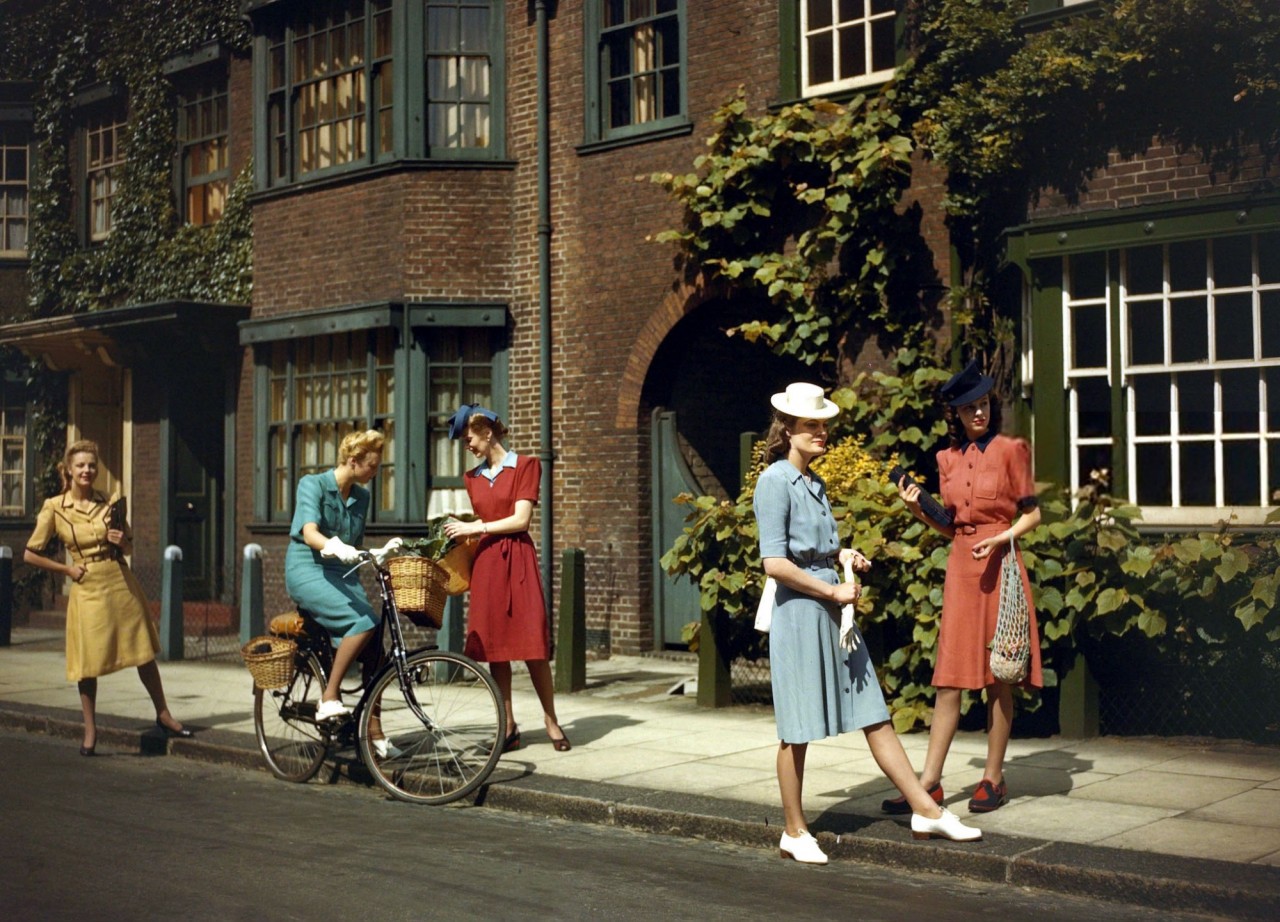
point(571, 624)
point(171, 620)
point(6, 595)
point(252, 616)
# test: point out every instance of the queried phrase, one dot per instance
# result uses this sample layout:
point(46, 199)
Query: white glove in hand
point(380, 554)
point(848, 631)
point(336, 547)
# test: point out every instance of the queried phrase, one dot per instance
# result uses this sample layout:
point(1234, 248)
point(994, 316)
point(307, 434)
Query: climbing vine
point(63, 47)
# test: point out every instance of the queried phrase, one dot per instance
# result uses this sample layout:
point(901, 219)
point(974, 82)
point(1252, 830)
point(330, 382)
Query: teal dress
point(318, 584)
point(819, 690)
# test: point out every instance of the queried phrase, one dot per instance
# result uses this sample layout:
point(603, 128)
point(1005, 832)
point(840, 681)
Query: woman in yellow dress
point(108, 625)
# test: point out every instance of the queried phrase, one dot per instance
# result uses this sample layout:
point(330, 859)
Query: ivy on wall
point(803, 207)
point(63, 47)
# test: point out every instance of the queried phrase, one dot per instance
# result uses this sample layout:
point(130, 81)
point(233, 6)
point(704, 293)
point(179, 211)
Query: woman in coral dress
point(987, 487)
point(109, 626)
point(507, 617)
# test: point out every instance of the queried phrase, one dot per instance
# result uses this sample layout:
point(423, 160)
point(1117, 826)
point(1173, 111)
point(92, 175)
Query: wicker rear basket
point(420, 586)
point(270, 661)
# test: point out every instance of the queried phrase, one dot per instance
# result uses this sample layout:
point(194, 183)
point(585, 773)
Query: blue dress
point(819, 690)
point(315, 583)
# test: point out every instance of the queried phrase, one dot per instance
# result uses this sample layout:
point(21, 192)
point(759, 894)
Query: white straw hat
point(804, 401)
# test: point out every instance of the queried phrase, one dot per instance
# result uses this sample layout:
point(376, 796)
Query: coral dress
point(506, 617)
point(109, 624)
point(983, 485)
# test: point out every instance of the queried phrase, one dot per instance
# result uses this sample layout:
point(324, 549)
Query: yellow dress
point(109, 626)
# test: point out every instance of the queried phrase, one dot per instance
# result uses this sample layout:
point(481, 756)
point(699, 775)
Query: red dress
point(506, 618)
point(981, 489)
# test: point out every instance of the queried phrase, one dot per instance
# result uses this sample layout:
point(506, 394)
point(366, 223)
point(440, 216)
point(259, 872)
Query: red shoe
point(988, 797)
point(898, 806)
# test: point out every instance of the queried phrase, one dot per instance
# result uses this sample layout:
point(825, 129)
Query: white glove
point(380, 554)
point(848, 630)
point(336, 547)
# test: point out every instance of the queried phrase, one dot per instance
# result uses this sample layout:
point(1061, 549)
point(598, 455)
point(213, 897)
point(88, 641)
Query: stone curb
point(1139, 878)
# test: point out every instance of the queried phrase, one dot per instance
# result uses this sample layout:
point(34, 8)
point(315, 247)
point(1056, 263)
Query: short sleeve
point(1021, 478)
point(528, 479)
point(772, 506)
point(306, 506)
point(45, 529)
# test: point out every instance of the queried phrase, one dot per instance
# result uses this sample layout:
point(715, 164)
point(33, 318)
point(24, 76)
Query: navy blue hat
point(967, 386)
point(458, 421)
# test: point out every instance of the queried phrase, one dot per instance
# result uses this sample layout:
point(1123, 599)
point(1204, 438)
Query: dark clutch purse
point(118, 514)
point(928, 505)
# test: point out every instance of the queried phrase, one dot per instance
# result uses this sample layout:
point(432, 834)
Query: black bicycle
point(428, 726)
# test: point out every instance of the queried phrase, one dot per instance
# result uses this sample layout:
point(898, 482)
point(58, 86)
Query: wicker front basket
point(420, 586)
point(270, 661)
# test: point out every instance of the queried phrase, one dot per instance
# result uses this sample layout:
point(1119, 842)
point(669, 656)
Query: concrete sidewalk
point(1190, 824)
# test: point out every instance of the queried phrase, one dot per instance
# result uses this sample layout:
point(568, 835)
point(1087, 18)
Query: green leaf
point(1111, 599)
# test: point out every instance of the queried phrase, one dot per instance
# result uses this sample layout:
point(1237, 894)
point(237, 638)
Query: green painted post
point(1078, 702)
point(571, 623)
point(715, 684)
point(746, 442)
point(252, 616)
point(6, 595)
point(171, 626)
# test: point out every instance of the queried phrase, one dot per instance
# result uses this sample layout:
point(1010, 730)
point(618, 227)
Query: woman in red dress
point(507, 617)
point(986, 483)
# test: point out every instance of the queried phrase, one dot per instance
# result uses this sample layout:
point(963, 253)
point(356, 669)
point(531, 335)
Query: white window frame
point(1118, 298)
point(869, 18)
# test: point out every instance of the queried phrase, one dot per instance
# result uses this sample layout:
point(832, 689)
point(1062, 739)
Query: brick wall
point(1158, 175)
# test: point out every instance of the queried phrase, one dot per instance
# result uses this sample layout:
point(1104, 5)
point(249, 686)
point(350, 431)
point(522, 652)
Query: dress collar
point(491, 474)
point(982, 443)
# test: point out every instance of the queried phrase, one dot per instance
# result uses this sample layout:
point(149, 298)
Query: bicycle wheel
point(284, 720)
point(449, 754)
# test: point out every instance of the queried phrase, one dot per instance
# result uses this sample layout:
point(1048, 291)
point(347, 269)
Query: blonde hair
point(358, 444)
point(82, 446)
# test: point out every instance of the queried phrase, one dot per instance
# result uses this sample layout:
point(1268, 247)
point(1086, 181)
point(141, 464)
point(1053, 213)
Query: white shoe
point(803, 848)
point(327, 710)
point(385, 749)
point(947, 826)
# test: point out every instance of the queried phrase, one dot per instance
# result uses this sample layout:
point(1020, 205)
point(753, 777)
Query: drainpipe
point(546, 455)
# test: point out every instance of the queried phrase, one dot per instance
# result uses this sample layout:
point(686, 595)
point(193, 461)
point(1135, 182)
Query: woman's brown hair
point(82, 446)
point(482, 424)
point(777, 442)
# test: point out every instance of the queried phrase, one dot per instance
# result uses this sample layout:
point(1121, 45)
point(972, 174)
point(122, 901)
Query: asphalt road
point(124, 837)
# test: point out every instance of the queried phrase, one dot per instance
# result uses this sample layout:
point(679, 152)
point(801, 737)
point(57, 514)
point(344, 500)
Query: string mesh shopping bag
point(1011, 647)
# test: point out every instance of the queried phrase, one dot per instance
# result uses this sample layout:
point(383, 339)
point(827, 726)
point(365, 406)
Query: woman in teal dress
point(823, 684)
point(328, 524)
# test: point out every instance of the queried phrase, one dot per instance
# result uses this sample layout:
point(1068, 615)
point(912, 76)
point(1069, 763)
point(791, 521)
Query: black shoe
point(898, 806)
point(88, 750)
point(183, 734)
point(512, 741)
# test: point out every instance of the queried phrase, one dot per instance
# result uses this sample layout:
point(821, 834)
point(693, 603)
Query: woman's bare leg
point(88, 689)
point(946, 718)
point(545, 686)
point(791, 785)
point(343, 657)
point(887, 750)
point(999, 728)
point(149, 673)
point(501, 673)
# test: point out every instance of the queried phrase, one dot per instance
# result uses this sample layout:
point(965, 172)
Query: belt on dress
point(985, 527)
point(811, 563)
point(94, 558)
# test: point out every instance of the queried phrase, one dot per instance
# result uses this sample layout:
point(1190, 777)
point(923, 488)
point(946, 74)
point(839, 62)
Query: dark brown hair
point(955, 428)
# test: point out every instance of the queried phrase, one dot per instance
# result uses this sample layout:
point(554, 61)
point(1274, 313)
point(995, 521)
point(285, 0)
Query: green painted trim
point(1119, 450)
point(1047, 397)
point(1094, 231)
point(261, 451)
point(654, 134)
point(593, 130)
point(448, 314)
point(320, 323)
point(789, 50)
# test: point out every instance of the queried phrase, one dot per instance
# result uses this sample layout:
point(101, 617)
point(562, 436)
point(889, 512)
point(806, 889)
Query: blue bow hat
point(967, 386)
point(458, 421)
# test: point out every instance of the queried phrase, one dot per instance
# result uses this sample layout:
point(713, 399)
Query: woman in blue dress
point(328, 525)
point(821, 688)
